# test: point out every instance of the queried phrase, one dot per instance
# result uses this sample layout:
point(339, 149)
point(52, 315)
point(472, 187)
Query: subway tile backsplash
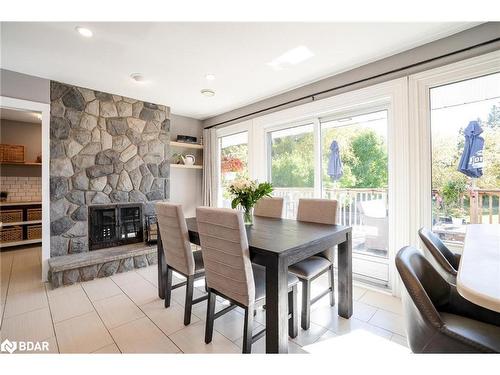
point(22, 188)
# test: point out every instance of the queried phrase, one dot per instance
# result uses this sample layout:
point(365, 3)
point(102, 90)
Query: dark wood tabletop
point(279, 243)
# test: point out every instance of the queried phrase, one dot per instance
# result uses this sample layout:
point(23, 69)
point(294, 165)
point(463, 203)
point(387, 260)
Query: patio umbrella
point(471, 162)
point(335, 170)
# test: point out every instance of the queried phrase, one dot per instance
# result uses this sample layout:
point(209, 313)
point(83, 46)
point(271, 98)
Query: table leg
point(162, 268)
point(276, 305)
point(344, 258)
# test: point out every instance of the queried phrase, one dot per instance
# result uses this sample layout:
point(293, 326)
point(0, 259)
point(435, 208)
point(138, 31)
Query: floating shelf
point(21, 164)
point(186, 166)
point(18, 243)
point(22, 223)
point(21, 203)
point(186, 145)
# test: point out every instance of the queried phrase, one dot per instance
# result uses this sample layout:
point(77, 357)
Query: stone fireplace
point(105, 150)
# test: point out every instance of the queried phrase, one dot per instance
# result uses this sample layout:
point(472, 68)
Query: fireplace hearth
point(115, 225)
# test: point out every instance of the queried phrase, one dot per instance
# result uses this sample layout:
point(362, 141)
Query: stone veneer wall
point(104, 149)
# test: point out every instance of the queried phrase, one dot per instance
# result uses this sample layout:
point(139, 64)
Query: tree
point(369, 161)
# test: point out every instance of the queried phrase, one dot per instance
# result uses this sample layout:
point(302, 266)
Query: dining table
point(478, 277)
point(277, 244)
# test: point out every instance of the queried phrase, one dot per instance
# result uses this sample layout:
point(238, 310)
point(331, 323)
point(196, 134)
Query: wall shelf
point(21, 164)
point(186, 166)
point(22, 223)
point(18, 243)
point(186, 145)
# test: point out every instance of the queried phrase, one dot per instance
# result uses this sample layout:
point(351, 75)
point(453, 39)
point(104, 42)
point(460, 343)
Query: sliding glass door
point(291, 165)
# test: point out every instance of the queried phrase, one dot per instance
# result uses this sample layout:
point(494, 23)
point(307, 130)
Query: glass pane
point(354, 172)
point(292, 165)
point(233, 163)
point(458, 199)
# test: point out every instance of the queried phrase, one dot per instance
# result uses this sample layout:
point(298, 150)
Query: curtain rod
point(312, 96)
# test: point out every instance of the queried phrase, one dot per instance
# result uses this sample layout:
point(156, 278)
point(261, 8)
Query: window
point(233, 157)
point(291, 165)
point(456, 198)
point(355, 173)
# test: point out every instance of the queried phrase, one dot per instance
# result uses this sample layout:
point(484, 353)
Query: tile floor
point(123, 314)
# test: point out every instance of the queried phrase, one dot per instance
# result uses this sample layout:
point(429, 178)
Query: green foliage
point(369, 161)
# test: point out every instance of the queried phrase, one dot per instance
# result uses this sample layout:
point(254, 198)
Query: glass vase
point(248, 215)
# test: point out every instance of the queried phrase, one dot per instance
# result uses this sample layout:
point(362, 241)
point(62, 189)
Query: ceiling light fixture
point(207, 92)
point(210, 77)
point(291, 57)
point(38, 115)
point(83, 31)
point(138, 77)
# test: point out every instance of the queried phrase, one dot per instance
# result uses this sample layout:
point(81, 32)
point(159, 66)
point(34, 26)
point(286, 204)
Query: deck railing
point(348, 200)
point(485, 206)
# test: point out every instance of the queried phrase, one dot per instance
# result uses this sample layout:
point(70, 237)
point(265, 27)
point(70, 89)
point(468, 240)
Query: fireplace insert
point(115, 225)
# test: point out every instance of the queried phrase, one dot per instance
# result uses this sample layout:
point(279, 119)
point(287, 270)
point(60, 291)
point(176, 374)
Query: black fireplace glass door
point(103, 227)
point(131, 224)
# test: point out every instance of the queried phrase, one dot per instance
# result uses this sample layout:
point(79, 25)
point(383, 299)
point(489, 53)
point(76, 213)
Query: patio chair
point(231, 275)
point(437, 318)
point(374, 216)
point(179, 256)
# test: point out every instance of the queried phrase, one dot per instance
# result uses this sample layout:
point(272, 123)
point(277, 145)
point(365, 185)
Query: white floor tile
point(142, 336)
point(117, 310)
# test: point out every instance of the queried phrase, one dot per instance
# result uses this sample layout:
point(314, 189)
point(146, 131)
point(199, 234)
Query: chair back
point(226, 256)
point(175, 237)
point(269, 207)
point(443, 256)
point(321, 211)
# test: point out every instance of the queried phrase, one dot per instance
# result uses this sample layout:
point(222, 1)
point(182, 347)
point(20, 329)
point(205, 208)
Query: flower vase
point(248, 215)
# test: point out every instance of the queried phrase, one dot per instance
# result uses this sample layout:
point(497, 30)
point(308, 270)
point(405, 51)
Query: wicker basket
point(34, 214)
point(11, 234)
point(12, 153)
point(34, 232)
point(11, 216)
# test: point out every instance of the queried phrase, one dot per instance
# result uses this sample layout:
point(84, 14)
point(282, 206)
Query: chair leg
point(209, 324)
point(247, 330)
point(188, 304)
point(305, 319)
point(331, 279)
point(293, 322)
point(168, 286)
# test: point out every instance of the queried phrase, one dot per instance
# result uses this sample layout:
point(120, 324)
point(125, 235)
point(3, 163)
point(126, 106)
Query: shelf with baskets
point(21, 223)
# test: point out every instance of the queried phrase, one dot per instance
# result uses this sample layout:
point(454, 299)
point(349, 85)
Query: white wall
point(185, 184)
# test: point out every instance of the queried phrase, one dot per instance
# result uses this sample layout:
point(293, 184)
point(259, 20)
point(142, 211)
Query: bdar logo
point(8, 346)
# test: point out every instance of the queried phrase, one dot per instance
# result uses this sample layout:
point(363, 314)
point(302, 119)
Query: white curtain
point(209, 167)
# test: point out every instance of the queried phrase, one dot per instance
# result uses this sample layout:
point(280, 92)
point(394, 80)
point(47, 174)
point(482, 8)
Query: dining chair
point(179, 256)
point(269, 207)
point(447, 260)
point(322, 211)
point(437, 318)
point(230, 274)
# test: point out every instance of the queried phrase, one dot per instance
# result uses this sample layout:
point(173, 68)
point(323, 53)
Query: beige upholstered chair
point(322, 211)
point(269, 207)
point(230, 274)
point(174, 238)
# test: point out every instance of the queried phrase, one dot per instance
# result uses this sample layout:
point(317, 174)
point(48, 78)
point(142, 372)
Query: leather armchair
point(437, 318)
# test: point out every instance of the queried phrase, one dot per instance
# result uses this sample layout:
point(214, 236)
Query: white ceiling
point(21, 116)
point(175, 57)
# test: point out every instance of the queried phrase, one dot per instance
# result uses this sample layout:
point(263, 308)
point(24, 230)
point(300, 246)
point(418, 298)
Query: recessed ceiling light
point(210, 77)
point(38, 115)
point(138, 77)
point(207, 92)
point(291, 57)
point(83, 31)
